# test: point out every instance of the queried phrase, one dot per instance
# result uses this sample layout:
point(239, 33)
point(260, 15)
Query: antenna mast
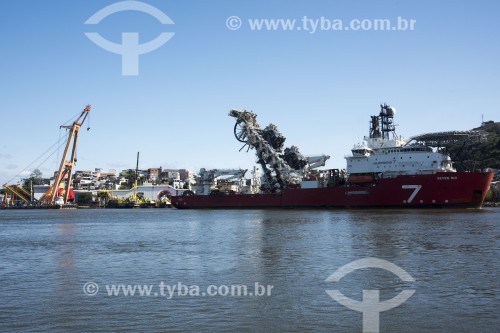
point(136, 176)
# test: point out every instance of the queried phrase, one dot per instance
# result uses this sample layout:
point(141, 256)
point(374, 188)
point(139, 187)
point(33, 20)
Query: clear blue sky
point(320, 89)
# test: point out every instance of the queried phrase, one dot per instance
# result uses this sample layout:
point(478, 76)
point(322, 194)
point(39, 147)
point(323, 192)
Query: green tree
point(129, 175)
point(35, 178)
point(124, 186)
point(84, 198)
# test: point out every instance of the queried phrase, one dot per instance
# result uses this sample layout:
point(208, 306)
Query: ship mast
point(383, 124)
point(136, 177)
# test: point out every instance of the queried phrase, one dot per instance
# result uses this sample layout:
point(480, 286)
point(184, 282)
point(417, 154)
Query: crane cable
point(57, 143)
point(58, 150)
point(45, 160)
point(72, 119)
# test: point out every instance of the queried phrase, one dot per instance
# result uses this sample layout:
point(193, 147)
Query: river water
point(58, 270)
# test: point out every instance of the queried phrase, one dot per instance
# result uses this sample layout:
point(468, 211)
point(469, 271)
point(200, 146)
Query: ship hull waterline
point(442, 189)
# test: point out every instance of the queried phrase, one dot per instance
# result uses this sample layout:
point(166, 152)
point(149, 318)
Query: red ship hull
point(446, 189)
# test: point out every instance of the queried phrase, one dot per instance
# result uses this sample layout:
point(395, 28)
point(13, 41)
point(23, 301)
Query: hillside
point(481, 155)
point(489, 152)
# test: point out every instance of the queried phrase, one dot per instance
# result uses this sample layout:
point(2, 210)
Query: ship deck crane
point(66, 166)
point(282, 167)
point(316, 161)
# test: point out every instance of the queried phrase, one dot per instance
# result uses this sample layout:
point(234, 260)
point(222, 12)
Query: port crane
point(16, 191)
point(65, 171)
point(282, 167)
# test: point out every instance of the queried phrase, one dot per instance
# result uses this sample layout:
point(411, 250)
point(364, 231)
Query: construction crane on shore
point(65, 171)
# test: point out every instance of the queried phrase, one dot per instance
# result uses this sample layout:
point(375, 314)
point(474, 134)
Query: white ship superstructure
point(385, 154)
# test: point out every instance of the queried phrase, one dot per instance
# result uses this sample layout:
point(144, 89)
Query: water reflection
point(46, 258)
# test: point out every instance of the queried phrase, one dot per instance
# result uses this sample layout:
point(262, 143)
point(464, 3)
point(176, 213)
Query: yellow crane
point(16, 191)
point(66, 166)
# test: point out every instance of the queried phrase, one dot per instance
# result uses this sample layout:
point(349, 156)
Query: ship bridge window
point(419, 149)
point(361, 151)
